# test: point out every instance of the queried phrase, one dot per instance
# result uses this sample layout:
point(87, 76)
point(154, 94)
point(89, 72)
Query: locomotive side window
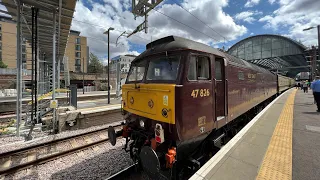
point(198, 68)
point(218, 70)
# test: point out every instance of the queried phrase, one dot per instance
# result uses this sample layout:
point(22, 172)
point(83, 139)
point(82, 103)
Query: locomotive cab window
point(199, 68)
point(136, 72)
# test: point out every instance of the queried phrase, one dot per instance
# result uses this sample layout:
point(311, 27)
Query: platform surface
point(59, 95)
point(282, 142)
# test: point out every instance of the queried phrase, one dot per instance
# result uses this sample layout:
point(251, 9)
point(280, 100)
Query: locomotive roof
point(171, 43)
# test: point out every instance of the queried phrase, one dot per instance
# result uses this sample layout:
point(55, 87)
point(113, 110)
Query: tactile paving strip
point(277, 162)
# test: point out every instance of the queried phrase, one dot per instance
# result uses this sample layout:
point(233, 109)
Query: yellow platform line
point(277, 162)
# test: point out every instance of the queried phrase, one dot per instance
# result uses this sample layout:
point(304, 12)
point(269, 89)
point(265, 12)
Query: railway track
point(16, 160)
point(7, 113)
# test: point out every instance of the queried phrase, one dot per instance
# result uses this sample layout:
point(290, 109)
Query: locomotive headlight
point(141, 123)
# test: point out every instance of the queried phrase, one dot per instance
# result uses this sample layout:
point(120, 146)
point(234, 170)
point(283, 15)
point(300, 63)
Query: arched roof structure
point(273, 52)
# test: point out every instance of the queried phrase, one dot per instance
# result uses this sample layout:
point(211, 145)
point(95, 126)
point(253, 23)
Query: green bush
point(2, 64)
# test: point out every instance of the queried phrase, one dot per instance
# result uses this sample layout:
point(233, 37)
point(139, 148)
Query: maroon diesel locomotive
point(182, 98)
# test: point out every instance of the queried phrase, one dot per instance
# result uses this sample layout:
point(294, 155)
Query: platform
point(281, 142)
point(9, 104)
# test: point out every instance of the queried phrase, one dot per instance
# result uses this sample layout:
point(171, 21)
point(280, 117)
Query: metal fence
point(87, 89)
point(5, 71)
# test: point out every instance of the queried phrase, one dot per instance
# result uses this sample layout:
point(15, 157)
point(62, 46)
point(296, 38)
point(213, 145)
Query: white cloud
point(116, 13)
point(295, 15)
point(265, 18)
point(271, 1)
point(251, 3)
point(251, 34)
point(3, 8)
point(247, 16)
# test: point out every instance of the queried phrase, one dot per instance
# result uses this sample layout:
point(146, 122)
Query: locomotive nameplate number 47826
point(200, 92)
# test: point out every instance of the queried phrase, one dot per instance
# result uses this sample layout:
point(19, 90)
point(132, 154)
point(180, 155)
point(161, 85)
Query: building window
point(23, 40)
point(0, 36)
point(78, 48)
point(23, 48)
point(0, 45)
point(24, 65)
point(0, 27)
point(78, 68)
point(24, 57)
point(77, 40)
point(0, 55)
point(78, 54)
point(78, 62)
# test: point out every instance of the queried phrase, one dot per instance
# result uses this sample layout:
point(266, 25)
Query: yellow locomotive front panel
point(153, 101)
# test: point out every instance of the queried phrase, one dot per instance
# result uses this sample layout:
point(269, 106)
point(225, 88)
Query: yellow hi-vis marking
point(277, 162)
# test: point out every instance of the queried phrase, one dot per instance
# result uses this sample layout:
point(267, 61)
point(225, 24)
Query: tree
point(95, 65)
point(2, 64)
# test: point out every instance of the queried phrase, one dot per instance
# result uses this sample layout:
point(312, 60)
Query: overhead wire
point(104, 27)
point(200, 20)
point(185, 24)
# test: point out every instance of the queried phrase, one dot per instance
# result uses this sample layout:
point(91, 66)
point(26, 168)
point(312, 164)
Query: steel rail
point(53, 156)
point(123, 173)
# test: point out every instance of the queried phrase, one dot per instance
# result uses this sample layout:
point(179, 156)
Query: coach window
point(198, 68)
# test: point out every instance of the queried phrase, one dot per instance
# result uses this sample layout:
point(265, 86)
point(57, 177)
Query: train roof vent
point(160, 41)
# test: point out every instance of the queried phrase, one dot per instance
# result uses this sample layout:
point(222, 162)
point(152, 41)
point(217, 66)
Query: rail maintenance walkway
point(281, 142)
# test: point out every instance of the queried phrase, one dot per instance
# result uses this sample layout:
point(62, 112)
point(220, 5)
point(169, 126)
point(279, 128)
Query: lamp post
point(313, 63)
point(108, 33)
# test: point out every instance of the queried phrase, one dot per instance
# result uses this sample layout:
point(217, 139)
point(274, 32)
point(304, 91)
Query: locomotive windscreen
point(137, 71)
point(155, 69)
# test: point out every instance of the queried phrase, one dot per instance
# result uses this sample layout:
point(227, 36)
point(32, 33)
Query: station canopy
point(45, 21)
point(273, 52)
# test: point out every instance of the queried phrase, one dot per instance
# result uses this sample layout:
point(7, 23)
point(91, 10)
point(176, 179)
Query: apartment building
point(8, 44)
point(77, 52)
point(124, 60)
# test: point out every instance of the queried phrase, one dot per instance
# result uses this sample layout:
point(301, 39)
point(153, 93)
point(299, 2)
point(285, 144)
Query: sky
point(217, 23)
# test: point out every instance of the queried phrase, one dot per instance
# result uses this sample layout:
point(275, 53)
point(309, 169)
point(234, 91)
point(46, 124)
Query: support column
point(58, 49)
point(19, 69)
point(36, 65)
point(108, 66)
point(58, 75)
point(32, 64)
point(54, 69)
point(318, 29)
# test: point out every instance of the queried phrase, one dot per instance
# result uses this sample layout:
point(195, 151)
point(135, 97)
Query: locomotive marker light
point(150, 104)
point(164, 112)
point(141, 123)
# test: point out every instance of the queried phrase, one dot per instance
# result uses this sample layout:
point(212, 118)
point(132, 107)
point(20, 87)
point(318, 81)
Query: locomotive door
point(196, 98)
point(220, 88)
